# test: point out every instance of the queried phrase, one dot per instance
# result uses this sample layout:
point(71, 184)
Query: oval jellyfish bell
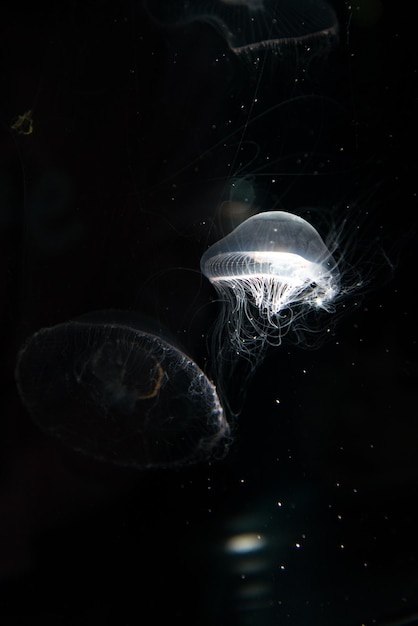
point(120, 394)
point(269, 271)
point(252, 25)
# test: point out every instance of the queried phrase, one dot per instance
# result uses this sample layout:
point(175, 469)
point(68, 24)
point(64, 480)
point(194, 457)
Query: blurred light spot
point(244, 543)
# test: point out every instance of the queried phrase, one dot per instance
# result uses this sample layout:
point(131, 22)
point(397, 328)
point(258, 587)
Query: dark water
point(132, 138)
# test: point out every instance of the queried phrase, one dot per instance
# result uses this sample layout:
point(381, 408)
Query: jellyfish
point(248, 26)
point(269, 272)
point(118, 393)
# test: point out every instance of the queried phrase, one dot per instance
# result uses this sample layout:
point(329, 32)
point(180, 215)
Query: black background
point(108, 202)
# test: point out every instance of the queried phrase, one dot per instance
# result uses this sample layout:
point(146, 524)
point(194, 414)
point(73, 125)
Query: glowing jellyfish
point(120, 394)
point(251, 25)
point(269, 272)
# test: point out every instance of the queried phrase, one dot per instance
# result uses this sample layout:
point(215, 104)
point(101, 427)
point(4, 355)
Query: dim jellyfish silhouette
point(269, 272)
point(252, 25)
point(120, 394)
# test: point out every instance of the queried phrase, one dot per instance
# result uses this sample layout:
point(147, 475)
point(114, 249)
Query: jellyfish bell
point(120, 394)
point(249, 26)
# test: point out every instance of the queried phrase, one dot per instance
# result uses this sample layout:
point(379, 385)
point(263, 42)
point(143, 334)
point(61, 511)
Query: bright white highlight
point(245, 543)
point(275, 280)
point(270, 271)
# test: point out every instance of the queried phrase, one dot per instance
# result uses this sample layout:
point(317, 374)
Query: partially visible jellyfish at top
point(252, 25)
point(270, 273)
point(108, 388)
